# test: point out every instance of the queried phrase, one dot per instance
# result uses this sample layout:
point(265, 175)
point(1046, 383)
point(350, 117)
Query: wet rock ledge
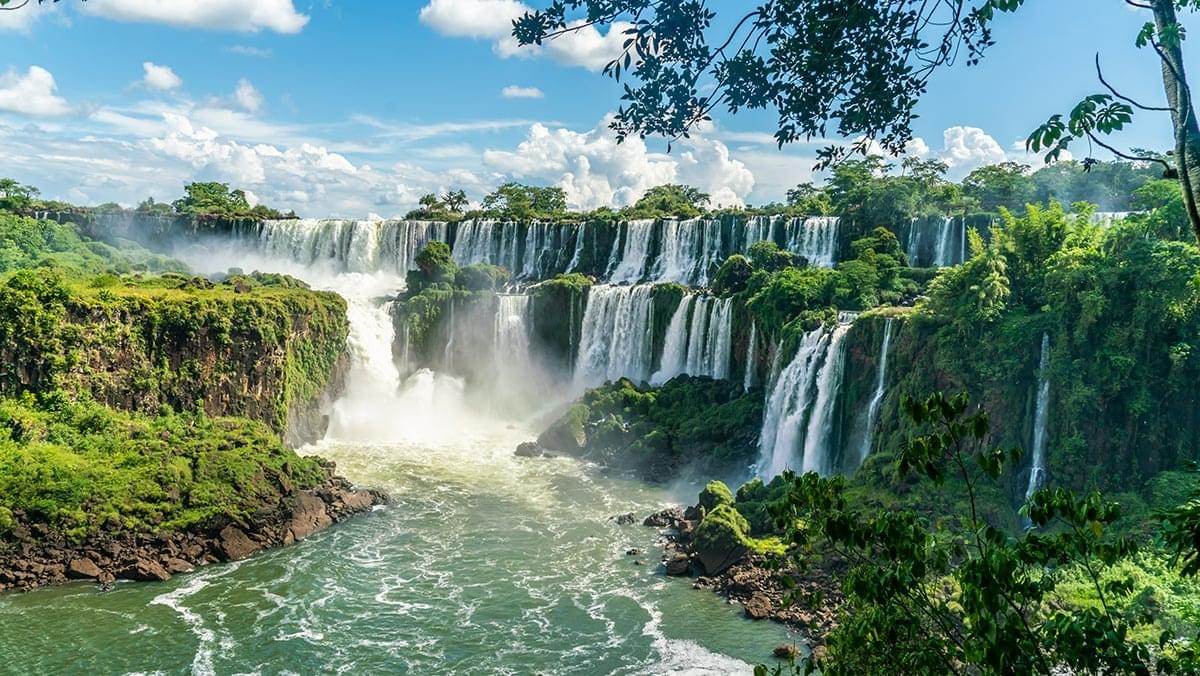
point(33, 556)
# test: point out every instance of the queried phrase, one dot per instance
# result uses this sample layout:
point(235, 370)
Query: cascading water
point(699, 339)
point(815, 238)
point(511, 338)
point(628, 263)
point(346, 246)
point(675, 343)
point(1037, 465)
point(751, 358)
point(937, 242)
point(614, 340)
point(818, 438)
point(945, 235)
point(798, 422)
point(877, 397)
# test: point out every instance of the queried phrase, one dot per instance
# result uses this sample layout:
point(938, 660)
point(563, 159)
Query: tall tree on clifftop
point(856, 68)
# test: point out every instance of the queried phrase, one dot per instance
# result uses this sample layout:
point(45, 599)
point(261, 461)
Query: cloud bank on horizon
point(156, 135)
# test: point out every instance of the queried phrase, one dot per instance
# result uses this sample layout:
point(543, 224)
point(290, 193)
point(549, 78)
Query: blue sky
point(355, 108)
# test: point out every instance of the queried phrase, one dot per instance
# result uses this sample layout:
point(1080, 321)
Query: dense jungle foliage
point(80, 467)
point(135, 397)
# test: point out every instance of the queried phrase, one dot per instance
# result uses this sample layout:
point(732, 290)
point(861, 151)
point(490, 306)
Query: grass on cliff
point(143, 341)
point(81, 467)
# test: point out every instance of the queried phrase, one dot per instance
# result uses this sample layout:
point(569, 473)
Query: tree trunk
point(1183, 114)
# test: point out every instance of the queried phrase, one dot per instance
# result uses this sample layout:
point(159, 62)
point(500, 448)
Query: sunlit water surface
point(484, 563)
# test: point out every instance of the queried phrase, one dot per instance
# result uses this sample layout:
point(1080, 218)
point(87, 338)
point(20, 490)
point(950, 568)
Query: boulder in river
point(666, 518)
point(720, 539)
point(678, 564)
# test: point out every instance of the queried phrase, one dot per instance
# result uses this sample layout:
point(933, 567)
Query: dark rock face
point(667, 518)
point(786, 651)
point(32, 556)
point(234, 545)
point(677, 564)
point(532, 449)
point(81, 569)
point(625, 519)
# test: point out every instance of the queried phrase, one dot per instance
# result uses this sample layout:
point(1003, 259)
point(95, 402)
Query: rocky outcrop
point(33, 556)
point(263, 347)
point(714, 547)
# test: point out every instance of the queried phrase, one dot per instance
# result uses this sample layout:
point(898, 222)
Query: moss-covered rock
point(264, 347)
point(715, 493)
point(723, 538)
point(688, 425)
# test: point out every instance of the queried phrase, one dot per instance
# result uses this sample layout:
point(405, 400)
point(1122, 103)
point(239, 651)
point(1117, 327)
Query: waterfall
point(877, 397)
point(1037, 466)
point(675, 343)
point(347, 246)
point(615, 337)
point(962, 243)
point(799, 417)
point(680, 256)
point(515, 380)
point(818, 438)
point(580, 238)
point(815, 238)
point(751, 357)
point(628, 263)
point(699, 340)
point(448, 352)
point(689, 249)
point(945, 235)
point(487, 241)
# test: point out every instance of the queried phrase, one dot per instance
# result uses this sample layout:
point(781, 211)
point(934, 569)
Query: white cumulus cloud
point(31, 93)
point(585, 47)
point(594, 170)
point(515, 92)
point(472, 18)
point(247, 97)
point(273, 172)
point(159, 77)
point(235, 15)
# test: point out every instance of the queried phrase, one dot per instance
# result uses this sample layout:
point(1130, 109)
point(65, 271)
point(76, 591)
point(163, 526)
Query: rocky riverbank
point(754, 581)
point(33, 556)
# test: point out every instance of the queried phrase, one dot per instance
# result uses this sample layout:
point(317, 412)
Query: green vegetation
point(448, 207)
point(30, 243)
point(951, 593)
point(173, 340)
point(113, 358)
point(80, 467)
point(216, 199)
point(517, 202)
point(668, 201)
point(706, 424)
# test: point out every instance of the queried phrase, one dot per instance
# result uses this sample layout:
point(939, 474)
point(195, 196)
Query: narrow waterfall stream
point(1037, 464)
point(483, 563)
point(877, 395)
point(797, 424)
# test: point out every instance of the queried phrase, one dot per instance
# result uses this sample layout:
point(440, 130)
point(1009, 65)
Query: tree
point(950, 593)
point(665, 201)
point(1000, 185)
point(455, 201)
point(516, 201)
point(854, 69)
point(808, 199)
point(14, 195)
